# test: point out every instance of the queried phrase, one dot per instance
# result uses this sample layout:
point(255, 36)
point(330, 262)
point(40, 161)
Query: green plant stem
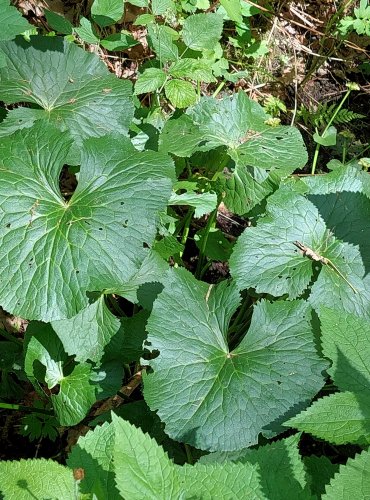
point(127, 370)
point(241, 314)
point(160, 90)
point(210, 224)
point(31, 409)
point(117, 309)
point(187, 223)
point(359, 155)
point(317, 149)
point(234, 339)
point(218, 90)
point(9, 336)
point(189, 456)
point(206, 266)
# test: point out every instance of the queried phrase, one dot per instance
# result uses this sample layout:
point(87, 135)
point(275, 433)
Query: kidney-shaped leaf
point(210, 397)
point(280, 255)
point(242, 125)
point(257, 149)
point(53, 250)
point(72, 87)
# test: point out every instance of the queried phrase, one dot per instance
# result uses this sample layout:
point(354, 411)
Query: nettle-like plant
point(99, 272)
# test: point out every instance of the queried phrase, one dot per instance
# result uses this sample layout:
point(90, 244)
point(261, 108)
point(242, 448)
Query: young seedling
point(311, 254)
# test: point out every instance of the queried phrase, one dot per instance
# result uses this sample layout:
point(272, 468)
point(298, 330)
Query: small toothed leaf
point(345, 341)
point(340, 418)
point(107, 12)
point(180, 93)
point(150, 80)
point(143, 469)
point(94, 454)
point(12, 22)
point(352, 480)
point(280, 466)
point(202, 31)
point(211, 481)
point(58, 23)
point(38, 478)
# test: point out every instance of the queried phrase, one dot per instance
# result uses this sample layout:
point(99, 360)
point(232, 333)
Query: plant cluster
point(231, 369)
point(359, 22)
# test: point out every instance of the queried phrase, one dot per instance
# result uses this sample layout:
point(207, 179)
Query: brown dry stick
point(311, 254)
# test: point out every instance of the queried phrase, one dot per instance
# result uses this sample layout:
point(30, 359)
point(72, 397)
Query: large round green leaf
point(266, 257)
point(72, 88)
point(53, 251)
point(262, 153)
point(210, 397)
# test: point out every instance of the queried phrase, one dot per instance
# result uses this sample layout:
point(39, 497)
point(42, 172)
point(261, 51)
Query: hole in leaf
point(77, 271)
point(100, 228)
point(68, 181)
point(125, 223)
point(55, 390)
point(8, 225)
point(122, 203)
point(145, 245)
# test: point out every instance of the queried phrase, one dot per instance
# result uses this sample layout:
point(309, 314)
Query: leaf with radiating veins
point(47, 72)
point(54, 251)
point(214, 398)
